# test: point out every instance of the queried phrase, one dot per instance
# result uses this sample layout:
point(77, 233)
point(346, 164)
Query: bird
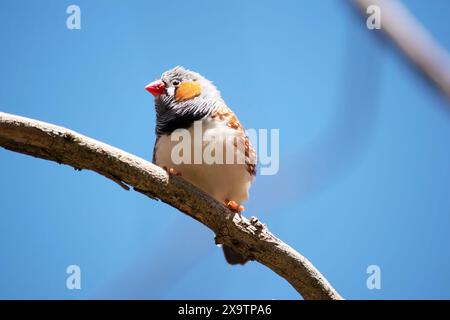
point(184, 101)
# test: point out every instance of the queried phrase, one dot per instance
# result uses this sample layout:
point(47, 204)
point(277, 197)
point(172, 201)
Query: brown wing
point(250, 156)
point(225, 114)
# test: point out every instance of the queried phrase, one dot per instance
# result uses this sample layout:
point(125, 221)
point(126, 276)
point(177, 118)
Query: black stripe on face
point(178, 122)
point(172, 115)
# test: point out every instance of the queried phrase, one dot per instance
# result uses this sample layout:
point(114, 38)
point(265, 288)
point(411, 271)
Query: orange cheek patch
point(187, 90)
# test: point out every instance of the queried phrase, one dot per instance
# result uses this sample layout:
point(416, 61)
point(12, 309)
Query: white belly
point(221, 181)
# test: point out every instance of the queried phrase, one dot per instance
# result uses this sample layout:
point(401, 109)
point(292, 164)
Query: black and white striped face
point(182, 84)
point(182, 97)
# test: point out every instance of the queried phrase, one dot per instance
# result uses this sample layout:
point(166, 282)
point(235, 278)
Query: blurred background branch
point(414, 41)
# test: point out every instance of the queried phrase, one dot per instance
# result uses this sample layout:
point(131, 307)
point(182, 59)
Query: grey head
point(182, 97)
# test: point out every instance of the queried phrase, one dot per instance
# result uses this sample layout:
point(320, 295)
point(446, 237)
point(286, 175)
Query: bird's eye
point(175, 82)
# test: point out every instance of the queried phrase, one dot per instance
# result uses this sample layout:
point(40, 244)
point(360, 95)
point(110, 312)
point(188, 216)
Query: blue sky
point(364, 148)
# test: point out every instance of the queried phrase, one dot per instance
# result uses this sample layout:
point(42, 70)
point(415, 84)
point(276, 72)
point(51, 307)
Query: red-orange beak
point(156, 88)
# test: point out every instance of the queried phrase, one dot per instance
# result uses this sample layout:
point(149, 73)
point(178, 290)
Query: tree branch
point(249, 237)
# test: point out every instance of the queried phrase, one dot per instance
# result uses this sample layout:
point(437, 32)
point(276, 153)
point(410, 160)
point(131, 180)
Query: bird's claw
point(172, 171)
point(235, 207)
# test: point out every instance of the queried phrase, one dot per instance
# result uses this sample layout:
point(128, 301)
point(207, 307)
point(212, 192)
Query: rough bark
point(249, 237)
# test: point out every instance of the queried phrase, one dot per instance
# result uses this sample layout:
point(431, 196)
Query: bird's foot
point(235, 207)
point(172, 171)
